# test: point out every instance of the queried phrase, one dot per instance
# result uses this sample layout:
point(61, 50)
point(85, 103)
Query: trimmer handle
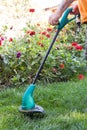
point(64, 19)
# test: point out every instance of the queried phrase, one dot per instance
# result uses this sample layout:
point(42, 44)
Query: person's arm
point(53, 19)
point(63, 5)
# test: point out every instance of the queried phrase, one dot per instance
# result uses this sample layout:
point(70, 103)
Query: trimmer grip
point(64, 19)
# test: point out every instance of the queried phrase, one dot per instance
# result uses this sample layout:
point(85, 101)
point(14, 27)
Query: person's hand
point(75, 9)
point(54, 18)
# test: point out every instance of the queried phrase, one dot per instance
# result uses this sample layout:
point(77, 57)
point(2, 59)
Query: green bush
point(20, 58)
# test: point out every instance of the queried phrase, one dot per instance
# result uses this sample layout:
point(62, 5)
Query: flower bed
point(21, 55)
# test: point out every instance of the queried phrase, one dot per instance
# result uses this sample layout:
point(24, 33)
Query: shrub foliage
point(21, 57)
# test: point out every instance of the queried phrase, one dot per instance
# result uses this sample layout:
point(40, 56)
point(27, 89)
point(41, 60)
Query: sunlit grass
point(65, 105)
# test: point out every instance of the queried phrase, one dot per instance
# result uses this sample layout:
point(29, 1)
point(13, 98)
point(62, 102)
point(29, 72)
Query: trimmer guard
point(36, 109)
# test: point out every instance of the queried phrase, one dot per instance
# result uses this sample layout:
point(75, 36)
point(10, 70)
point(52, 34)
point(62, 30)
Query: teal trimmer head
point(28, 105)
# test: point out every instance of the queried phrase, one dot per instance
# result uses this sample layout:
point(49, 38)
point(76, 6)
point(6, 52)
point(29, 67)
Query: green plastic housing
point(64, 19)
point(27, 99)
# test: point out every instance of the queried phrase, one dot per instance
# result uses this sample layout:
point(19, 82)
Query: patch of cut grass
point(65, 105)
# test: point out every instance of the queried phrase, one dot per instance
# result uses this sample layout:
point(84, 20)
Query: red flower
point(32, 33)
point(0, 42)
point(78, 47)
point(48, 35)
point(10, 39)
point(81, 76)
point(74, 43)
point(43, 33)
point(31, 10)
point(49, 29)
point(62, 66)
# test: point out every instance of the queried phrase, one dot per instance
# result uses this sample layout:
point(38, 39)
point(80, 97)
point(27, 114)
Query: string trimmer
point(28, 105)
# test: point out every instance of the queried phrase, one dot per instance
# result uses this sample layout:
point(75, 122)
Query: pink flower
point(18, 54)
point(2, 38)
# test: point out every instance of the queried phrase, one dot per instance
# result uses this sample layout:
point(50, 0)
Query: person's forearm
point(63, 5)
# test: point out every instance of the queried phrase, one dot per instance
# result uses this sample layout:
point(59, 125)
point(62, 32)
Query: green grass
point(65, 105)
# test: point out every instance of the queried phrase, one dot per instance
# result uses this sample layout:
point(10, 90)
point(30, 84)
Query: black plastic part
point(38, 109)
point(47, 53)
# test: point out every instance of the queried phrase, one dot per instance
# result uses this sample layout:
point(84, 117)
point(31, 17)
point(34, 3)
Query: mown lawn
point(65, 105)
